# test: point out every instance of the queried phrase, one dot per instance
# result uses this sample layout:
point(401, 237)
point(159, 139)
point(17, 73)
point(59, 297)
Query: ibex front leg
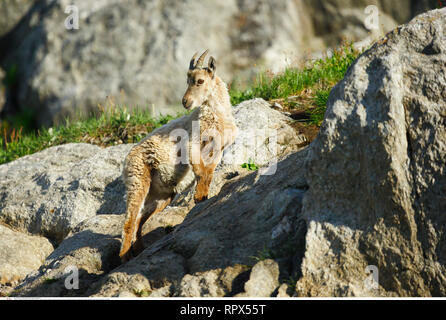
point(205, 171)
point(204, 174)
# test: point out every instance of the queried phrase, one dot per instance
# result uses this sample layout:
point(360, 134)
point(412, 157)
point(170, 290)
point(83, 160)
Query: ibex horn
point(192, 61)
point(201, 59)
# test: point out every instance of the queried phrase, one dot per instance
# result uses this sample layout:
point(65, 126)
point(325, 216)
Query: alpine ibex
point(152, 173)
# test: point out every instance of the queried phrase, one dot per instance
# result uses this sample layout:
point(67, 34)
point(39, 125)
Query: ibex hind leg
point(153, 205)
point(137, 180)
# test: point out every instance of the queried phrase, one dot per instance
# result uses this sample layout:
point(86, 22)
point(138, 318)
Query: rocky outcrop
point(74, 195)
point(357, 213)
point(376, 172)
point(138, 51)
point(210, 253)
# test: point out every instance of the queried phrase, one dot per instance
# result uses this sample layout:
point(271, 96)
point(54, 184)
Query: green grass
point(317, 113)
point(263, 254)
point(322, 73)
point(142, 293)
point(251, 166)
point(110, 128)
point(50, 280)
point(310, 85)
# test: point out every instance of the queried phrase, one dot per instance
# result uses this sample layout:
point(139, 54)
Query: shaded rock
point(376, 172)
point(209, 253)
point(11, 12)
point(149, 273)
point(213, 283)
point(20, 254)
point(91, 249)
point(203, 284)
point(161, 292)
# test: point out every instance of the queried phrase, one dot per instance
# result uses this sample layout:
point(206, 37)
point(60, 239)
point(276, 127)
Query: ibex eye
point(200, 81)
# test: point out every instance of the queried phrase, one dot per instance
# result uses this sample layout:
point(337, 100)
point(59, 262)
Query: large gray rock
point(335, 21)
point(141, 49)
point(264, 137)
point(50, 192)
point(376, 172)
point(90, 250)
point(20, 254)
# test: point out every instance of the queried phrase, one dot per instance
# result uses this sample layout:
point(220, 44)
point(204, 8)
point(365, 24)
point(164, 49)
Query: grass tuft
point(113, 126)
point(323, 73)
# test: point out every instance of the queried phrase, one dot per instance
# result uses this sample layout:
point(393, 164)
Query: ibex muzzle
point(200, 81)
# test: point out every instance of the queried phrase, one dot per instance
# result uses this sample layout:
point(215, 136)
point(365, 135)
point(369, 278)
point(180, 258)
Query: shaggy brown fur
point(152, 177)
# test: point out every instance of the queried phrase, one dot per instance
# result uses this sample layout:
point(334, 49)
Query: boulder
point(265, 136)
point(50, 192)
point(263, 280)
point(90, 250)
point(141, 48)
point(335, 21)
point(72, 55)
point(213, 283)
point(375, 204)
point(20, 254)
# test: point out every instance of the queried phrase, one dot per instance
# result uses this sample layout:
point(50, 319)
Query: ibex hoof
point(200, 198)
point(125, 256)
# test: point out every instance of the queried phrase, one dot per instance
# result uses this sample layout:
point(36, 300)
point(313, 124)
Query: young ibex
point(153, 177)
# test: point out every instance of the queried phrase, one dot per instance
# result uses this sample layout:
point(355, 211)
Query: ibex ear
point(212, 65)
